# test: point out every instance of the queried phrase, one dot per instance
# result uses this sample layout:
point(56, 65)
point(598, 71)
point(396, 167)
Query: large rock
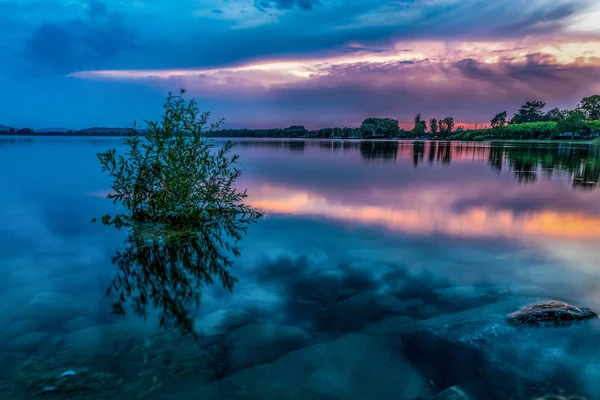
point(104, 339)
point(355, 312)
point(256, 344)
point(355, 366)
point(390, 329)
point(222, 321)
point(465, 297)
point(50, 310)
point(453, 393)
point(27, 343)
point(18, 328)
point(492, 359)
point(77, 324)
point(550, 313)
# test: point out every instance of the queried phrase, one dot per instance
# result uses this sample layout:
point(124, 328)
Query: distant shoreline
point(59, 134)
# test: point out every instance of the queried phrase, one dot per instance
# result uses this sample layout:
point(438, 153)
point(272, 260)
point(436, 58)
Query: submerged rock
point(459, 298)
point(256, 344)
point(28, 342)
point(453, 393)
point(77, 324)
point(18, 328)
point(355, 366)
point(222, 321)
point(551, 312)
point(481, 351)
point(355, 312)
point(49, 310)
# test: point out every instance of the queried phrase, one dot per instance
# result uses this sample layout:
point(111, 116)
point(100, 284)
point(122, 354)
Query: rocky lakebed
point(334, 337)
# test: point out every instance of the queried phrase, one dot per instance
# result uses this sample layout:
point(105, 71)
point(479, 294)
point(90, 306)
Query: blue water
point(366, 245)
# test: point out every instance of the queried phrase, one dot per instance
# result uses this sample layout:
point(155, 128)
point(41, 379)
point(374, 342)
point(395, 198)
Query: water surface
point(435, 229)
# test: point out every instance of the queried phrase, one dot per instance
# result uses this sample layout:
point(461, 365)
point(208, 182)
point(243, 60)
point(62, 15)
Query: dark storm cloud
point(76, 43)
point(91, 43)
point(263, 5)
point(467, 90)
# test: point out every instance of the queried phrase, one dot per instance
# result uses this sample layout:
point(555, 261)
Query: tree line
point(531, 121)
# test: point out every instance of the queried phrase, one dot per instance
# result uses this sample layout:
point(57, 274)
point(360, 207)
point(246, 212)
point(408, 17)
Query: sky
point(274, 63)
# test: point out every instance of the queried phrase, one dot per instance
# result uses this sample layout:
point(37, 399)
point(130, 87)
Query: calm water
point(384, 270)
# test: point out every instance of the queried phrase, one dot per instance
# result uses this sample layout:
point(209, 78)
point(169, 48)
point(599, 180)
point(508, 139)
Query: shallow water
point(383, 270)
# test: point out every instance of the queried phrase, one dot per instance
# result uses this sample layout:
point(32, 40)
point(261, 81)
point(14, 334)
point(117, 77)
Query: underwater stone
point(256, 344)
point(27, 342)
point(482, 352)
point(78, 324)
point(550, 313)
point(222, 321)
point(354, 366)
point(453, 393)
point(19, 328)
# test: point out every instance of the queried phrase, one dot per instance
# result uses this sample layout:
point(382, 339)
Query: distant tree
point(499, 119)
point(590, 107)
point(385, 127)
point(531, 111)
point(420, 126)
point(574, 123)
point(556, 115)
point(446, 126)
point(433, 124)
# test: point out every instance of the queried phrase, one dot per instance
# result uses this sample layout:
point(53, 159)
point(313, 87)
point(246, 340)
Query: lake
point(383, 270)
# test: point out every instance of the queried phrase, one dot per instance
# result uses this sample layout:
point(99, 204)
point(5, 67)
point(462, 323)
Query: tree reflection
point(375, 150)
point(167, 273)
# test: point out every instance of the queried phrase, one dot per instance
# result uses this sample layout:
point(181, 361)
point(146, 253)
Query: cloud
point(263, 5)
point(68, 45)
point(468, 83)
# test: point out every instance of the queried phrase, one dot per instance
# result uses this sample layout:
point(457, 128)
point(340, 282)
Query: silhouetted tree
point(556, 115)
point(531, 111)
point(499, 119)
point(420, 126)
point(446, 126)
point(590, 107)
point(433, 125)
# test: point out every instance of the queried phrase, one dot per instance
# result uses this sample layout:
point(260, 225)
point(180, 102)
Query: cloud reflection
point(428, 218)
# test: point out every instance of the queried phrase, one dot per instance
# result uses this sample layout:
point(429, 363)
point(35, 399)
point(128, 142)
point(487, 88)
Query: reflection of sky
point(330, 205)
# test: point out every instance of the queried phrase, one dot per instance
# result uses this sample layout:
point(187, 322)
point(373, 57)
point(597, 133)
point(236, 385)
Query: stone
point(50, 310)
point(354, 366)
point(353, 313)
point(77, 324)
point(490, 358)
point(27, 343)
point(18, 328)
point(465, 297)
point(453, 393)
point(222, 321)
point(104, 339)
point(390, 329)
point(550, 313)
point(256, 344)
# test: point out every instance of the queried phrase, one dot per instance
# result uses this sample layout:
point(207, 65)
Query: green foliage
point(593, 126)
point(531, 111)
point(556, 115)
point(446, 126)
point(420, 126)
point(379, 127)
point(499, 119)
point(183, 213)
point(176, 177)
point(574, 123)
point(433, 123)
point(590, 107)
